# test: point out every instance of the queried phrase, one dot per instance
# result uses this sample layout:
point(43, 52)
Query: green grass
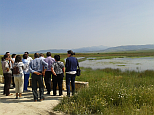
point(112, 92)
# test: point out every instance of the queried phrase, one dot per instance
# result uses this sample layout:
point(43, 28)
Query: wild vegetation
point(111, 91)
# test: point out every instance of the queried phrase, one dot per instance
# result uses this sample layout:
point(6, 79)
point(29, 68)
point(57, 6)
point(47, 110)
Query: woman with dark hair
point(58, 71)
point(18, 74)
point(7, 74)
point(71, 68)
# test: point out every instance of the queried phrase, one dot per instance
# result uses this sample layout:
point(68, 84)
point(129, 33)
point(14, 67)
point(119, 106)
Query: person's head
point(25, 56)
point(57, 57)
point(18, 58)
point(36, 55)
point(13, 55)
point(8, 53)
point(6, 56)
point(48, 54)
point(26, 53)
point(41, 55)
point(70, 53)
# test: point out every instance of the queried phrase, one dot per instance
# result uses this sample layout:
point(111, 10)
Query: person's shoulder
point(4, 61)
point(13, 59)
point(24, 60)
point(38, 59)
point(42, 60)
point(30, 58)
point(54, 63)
point(52, 58)
point(45, 58)
point(61, 62)
point(21, 63)
point(72, 58)
point(68, 58)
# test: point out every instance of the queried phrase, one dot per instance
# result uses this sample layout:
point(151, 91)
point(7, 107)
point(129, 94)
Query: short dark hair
point(26, 53)
point(41, 54)
point(70, 52)
point(36, 55)
point(6, 56)
point(48, 53)
point(18, 58)
point(7, 52)
point(25, 56)
point(13, 55)
point(57, 57)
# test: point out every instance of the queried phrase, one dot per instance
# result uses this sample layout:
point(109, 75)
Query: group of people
point(19, 68)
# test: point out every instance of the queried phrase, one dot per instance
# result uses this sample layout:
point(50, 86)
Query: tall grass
point(112, 92)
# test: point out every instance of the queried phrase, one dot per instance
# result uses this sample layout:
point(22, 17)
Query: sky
point(33, 25)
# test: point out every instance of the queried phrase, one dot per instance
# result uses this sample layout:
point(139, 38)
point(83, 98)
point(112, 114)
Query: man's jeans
point(39, 79)
point(26, 78)
point(70, 77)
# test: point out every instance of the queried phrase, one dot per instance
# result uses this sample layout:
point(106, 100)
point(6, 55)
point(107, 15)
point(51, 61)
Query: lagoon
point(131, 64)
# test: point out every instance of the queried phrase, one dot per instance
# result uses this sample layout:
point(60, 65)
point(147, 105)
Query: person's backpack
point(16, 70)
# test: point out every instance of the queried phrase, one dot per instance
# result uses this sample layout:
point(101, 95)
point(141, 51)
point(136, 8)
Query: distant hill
point(129, 48)
point(98, 49)
point(90, 49)
point(78, 50)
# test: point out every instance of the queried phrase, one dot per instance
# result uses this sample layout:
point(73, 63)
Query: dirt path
point(11, 106)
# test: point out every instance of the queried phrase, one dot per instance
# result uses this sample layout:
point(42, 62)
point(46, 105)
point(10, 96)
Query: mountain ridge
point(100, 48)
point(129, 48)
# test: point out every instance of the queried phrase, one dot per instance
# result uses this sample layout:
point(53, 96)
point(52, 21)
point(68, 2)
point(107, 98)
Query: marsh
point(136, 64)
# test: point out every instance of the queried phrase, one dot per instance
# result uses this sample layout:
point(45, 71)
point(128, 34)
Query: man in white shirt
point(29, 59)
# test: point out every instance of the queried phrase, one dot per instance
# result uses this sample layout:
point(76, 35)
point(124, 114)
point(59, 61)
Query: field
point(111, 91)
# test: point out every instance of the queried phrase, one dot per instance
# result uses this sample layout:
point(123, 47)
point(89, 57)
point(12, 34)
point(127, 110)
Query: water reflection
point(137, 64)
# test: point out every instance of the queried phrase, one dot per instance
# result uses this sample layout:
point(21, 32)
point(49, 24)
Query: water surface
point(137, 64)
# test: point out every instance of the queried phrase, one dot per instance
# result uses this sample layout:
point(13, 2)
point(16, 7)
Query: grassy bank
point(112, 92)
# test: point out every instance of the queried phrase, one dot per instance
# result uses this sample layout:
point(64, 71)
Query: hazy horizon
point(34, 25)
point(39, 50)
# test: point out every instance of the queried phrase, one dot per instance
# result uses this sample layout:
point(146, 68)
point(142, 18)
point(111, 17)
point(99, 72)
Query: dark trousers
point(57, 80)
point(13, 79)
point(26, 78)
point(70, 77)
point(47, 80)
point(39, 79)
point(7, 82)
